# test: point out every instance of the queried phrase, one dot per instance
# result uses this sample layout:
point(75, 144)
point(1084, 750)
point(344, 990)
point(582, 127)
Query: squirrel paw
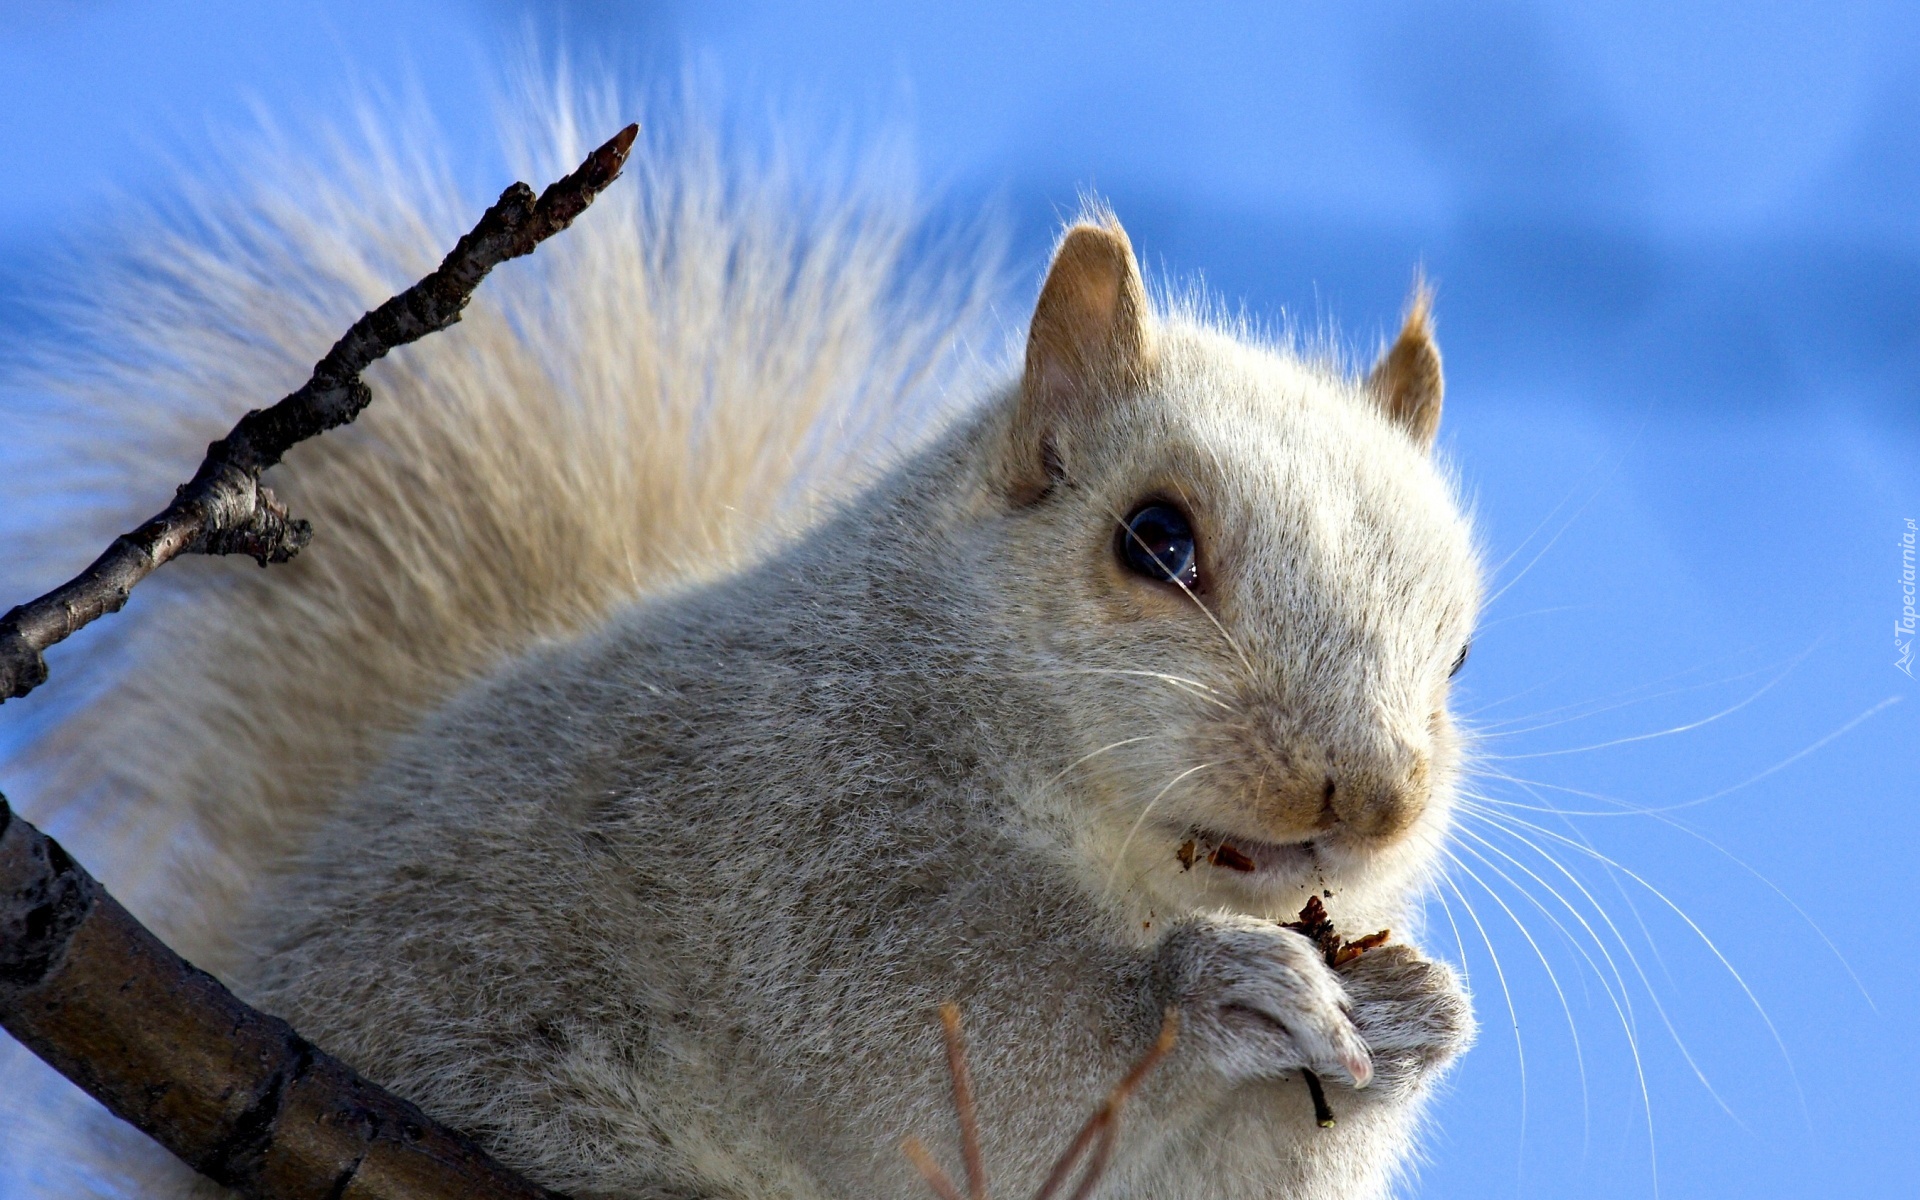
point(1260, 1001)
point(1413, 1013)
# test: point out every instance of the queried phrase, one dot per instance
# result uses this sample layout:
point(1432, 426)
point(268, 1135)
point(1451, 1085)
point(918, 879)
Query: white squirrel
point(590, 785)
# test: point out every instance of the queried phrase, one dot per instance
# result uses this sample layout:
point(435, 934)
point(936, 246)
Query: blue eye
point(1158, 543)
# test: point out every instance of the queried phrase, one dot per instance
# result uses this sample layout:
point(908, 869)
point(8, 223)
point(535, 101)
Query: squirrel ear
point(1406, 382)
point(1089, 337)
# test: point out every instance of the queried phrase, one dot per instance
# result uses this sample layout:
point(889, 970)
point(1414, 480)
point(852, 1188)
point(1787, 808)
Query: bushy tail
point(711, 350)
point(715, 348)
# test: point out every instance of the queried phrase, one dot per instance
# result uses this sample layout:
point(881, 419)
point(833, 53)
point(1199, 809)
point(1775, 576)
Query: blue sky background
point(1678, 252)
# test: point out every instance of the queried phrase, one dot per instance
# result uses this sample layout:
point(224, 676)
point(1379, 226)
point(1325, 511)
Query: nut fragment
point(1317, 925)
point(1230, 856)
point(1314, 923)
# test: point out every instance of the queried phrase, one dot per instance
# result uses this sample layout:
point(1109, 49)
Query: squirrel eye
point(1460, 660)
point(1157, 543)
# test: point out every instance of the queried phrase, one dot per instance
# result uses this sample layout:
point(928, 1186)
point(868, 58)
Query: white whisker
point(1466, 716)
point(1120, 855)
point(1627, 809)
point(1599, 943)
point(1535, 531)
point(1646, 737)
point(1784, 763)
point(1542, 553)
point(1660, 815)
point(1623, 1009)
point(1622, 999)
point(1652, 944)
point(1626, 948)
point(1568, 524)
point(1191, 686)
point(1579, 1057)
point(1712, 947)
point(1087, 758)
point(1466, 972)
point(1513, 1014)
point(1586, 709)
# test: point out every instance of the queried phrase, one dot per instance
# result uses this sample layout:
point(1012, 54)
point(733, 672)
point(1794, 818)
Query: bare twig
point(930, 1170)
point(963, 1102)
point(224, 509)
point(1106, 1118)
point(1097, 1165)
point(1322, 1111)
point(235, 1093)
point(1099, 1132)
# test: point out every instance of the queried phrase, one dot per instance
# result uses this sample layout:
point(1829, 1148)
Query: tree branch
point(235, 1093)
point(224, 509)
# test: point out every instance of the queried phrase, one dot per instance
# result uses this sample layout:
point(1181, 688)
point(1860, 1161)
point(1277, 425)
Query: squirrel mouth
point(1246, 856)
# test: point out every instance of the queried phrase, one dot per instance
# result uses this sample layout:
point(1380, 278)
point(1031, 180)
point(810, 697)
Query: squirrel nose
point(1369, 805)
point(1377, 810)
point(1379, 813)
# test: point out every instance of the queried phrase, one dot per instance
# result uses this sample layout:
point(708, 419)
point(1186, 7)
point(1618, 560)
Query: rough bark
point(237, 1094)
point(224, 509)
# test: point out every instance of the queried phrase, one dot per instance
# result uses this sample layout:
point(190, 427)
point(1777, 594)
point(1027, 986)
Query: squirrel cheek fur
point(666, 908)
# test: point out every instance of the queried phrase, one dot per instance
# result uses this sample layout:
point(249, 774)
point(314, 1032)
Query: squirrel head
point(1245, 583)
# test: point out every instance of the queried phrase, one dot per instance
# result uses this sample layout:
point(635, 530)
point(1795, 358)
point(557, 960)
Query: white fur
point(585, 786)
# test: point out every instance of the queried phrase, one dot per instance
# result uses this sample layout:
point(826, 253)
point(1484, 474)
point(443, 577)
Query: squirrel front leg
point(1259, 1006)
point(1257, 1000)
point(1226, 1117)
point(1051, 1027)
point(1413, 1014)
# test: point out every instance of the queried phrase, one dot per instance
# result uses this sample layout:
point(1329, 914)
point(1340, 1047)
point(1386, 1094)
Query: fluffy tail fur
point(712, 350)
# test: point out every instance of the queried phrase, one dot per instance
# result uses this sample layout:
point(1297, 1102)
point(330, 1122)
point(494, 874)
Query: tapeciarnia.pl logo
point(1903, 628)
